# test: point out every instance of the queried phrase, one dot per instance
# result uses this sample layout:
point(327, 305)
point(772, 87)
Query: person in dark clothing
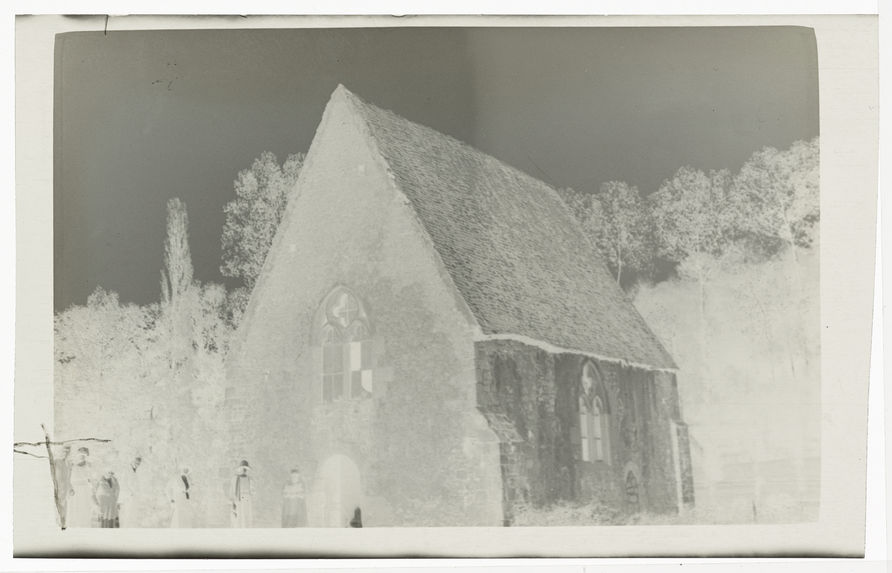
point(357, 518)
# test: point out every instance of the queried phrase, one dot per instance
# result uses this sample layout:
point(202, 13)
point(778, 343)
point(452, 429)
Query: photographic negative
point(435, 277)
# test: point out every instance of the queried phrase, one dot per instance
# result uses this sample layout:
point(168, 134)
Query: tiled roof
point(516, 254)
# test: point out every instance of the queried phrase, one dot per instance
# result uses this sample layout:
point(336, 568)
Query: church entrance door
point(337, 491)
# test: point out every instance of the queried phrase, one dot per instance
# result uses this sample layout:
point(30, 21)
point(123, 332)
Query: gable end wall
point(424, 454)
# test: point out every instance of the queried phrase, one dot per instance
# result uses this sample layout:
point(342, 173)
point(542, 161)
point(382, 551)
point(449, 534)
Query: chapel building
point(434, 340)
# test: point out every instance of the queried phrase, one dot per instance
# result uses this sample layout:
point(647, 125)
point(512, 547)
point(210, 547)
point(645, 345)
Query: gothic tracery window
point(594, 423)
point(346, 348)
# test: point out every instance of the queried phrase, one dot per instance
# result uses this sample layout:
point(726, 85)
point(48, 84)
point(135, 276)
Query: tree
point(100, 365)
point(616, 220)
point(98, 337)
point(779, 191)
point(179, 293)
point(622, 229)
point(586, 210)
point(252, 218)
point(692, 226)
point(176, 277)
point(578, 203)
point(235, 305)
point(691, 214)
point(694, 222)
point(115, 364)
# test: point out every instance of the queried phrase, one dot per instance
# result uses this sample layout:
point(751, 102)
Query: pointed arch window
point(344, 335)
point(594, 416)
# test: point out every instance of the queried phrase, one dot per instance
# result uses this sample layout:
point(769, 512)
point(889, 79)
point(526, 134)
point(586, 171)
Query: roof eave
point(480, 336)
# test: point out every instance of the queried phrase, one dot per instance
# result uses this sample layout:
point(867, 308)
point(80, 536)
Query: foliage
point(151, 377)
point(691, 214)
point(566, 513)
point(178, 292)
point(176, 278)
point(623, 228)
point(695, 216)
point(578, 203)
point(252, 218)
point(95, 336)
point(616, 221)
point(235, 305)
point(779, 191)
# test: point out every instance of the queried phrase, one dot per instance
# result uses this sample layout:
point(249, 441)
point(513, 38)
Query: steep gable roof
point(516, 254)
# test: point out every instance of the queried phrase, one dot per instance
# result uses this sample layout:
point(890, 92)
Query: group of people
point(87, 498)
point(241, 494)
point(82, 497)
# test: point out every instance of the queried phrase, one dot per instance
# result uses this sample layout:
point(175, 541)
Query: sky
point(144, 116)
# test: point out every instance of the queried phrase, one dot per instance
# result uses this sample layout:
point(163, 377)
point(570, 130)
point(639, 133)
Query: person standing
point(129, 480)
point(240, 494)
point(105, 495)
point(181, 495)
point(356, 521)
point(80, 493)
point(62, 476)
point(294, 505)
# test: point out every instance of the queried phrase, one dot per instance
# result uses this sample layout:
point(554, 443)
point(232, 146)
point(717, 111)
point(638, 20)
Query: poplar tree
point(178, 292)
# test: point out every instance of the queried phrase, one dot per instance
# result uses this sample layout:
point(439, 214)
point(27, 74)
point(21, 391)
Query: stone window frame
point(594, 416)
point(344, 334)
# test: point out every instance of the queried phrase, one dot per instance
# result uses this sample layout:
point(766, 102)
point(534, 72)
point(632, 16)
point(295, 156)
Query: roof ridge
point(516, 255)
point(465, 146)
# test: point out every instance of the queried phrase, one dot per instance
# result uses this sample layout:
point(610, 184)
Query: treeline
point(739, 309)
point(151, 377)
point(771, 204)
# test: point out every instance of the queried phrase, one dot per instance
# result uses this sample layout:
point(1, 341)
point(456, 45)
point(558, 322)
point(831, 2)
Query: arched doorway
point(336, 493)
